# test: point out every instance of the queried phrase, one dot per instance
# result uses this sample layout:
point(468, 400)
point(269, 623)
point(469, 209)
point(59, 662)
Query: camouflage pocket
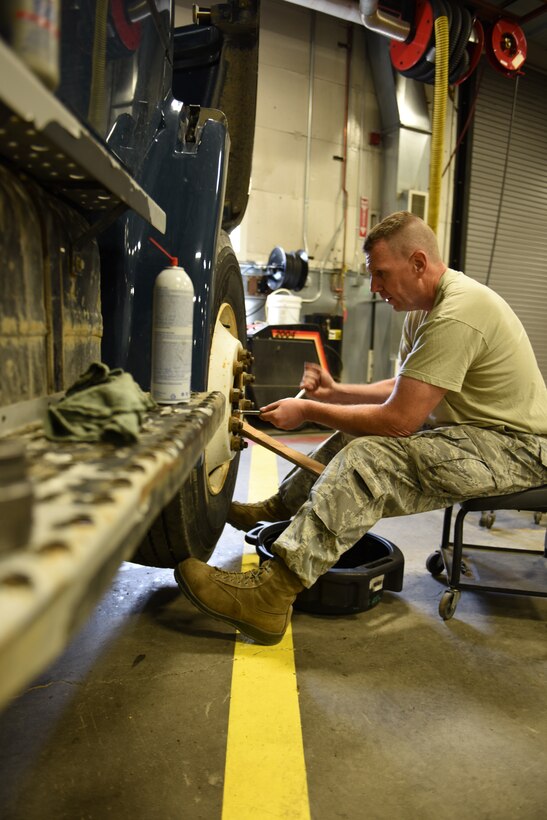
point(327, 512)
point(340, 504)
point(449, 463)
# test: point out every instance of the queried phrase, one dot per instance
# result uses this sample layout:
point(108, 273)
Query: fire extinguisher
point(172, 333)
point(31, 28)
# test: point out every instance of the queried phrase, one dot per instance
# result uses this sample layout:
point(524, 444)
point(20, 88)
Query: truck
point(116, 128)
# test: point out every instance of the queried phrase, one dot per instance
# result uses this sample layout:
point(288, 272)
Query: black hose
point(460, 26)
point(459, 61)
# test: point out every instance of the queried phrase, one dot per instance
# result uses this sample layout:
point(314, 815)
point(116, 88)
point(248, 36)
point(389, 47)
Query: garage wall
point(296, 46)
point(276, 211)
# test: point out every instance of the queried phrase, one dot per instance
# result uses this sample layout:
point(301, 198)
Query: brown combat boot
point(245, 516)
point(258, 602)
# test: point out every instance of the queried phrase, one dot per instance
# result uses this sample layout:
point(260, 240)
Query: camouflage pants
point(376, 477)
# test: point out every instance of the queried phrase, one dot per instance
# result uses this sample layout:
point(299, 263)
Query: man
point(465, 417)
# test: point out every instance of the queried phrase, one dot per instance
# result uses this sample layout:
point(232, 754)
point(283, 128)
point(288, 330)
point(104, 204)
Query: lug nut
point(237, 443)
point(248, 378)
point(245, 355)
point(236, 425)
point(235, 395)
point(245, 404)
point(239, 367)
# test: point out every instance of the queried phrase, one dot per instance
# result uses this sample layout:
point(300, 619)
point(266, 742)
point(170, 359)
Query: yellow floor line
point(265, 777)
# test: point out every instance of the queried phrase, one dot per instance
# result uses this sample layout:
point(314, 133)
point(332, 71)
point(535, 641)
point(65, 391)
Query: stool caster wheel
point(434, 563)
point(448, 603)
point(487, 519)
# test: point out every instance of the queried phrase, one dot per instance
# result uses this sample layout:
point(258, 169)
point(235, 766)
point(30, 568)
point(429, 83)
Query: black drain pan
point(354, 584)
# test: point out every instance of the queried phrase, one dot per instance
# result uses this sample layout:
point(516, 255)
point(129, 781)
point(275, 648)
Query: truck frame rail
point(93, 503)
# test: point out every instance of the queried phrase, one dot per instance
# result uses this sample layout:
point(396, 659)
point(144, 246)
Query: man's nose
point(373, 285)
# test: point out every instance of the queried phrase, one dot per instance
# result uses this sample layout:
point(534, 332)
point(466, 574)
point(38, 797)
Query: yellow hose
point(97, 99)
point(439, 117)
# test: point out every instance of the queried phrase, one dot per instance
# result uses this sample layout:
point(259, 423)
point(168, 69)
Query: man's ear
point(419, 261)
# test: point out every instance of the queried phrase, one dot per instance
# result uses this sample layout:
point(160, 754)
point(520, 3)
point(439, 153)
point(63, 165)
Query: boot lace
point(243, 579)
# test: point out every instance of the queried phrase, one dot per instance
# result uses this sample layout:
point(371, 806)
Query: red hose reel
point(128, 32)
point(405, 55)
point(504, 43)
point(506, 47)
point(474, 50)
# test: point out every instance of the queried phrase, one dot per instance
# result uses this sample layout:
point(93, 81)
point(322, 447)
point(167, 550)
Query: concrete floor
point(403, 715)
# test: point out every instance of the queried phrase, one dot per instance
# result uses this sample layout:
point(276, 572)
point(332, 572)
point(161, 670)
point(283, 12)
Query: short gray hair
point(404, 232)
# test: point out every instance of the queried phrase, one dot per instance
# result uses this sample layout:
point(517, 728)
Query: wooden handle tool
point(282, 450)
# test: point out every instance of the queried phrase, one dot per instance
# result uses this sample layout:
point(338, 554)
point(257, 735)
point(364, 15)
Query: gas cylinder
point(172, 334)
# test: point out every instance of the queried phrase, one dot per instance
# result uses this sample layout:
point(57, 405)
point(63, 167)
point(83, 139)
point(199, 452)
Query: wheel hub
point(229, 362)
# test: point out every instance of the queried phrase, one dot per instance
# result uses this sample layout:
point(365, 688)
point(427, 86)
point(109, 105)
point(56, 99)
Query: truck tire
point(192, 522)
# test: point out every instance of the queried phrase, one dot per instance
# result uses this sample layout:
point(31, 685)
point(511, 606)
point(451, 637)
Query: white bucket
point(282, 308)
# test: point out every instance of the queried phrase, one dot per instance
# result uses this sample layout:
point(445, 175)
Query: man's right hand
point(318, 383)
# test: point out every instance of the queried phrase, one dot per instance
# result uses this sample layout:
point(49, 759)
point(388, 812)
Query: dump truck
point(118, 133)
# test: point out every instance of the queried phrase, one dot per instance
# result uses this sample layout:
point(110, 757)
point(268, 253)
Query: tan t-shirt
point(473, 344)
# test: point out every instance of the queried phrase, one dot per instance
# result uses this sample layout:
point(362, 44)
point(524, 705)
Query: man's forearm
point(375, 393)
point(402, 413)
point(357, 419)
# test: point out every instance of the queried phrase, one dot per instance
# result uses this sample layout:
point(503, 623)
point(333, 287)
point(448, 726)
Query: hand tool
point(282, 450)
point(299, 395)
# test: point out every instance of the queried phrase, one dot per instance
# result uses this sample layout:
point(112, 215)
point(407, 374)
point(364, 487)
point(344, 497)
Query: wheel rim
point(225, 356)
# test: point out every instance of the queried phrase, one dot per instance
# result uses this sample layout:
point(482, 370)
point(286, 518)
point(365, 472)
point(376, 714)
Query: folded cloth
point(101, 405)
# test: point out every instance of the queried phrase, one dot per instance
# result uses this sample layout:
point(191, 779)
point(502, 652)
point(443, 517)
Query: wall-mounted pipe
point(338, 281)
point(345, 195)
point(311, 77)
point(376, 20)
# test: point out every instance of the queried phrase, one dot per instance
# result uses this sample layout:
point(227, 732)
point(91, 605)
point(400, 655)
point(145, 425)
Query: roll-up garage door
point(506, 240)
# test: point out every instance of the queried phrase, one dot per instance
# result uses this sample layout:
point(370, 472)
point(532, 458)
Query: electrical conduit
point(308, 140)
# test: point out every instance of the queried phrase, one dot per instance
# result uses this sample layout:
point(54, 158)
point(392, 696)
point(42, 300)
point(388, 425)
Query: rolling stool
point(489, 568)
